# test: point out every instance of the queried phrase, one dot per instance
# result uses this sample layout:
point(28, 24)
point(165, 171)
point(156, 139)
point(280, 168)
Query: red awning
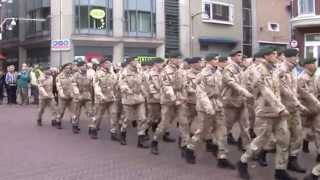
point(2, 57)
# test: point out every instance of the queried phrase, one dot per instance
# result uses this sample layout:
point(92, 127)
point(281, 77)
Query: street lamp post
point(14, 23)
point(192, 29)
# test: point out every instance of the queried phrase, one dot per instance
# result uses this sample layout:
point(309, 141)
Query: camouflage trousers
point(296, 133)
point(168, 114)
point(213, 125)
point(47, 103)
point(240, 115)
point(186, 121)
point(154, 113)
point(77, 106)
point(63, 105)
point(251, 113)
point(264, 128)
point(135, 112)
point(316, 170)
point(109, 108)
point(311, 123)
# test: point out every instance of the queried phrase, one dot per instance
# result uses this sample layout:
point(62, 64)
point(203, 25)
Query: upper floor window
point(140, 17)
point(306, 7)
point(93, 16)
point(38, 9)
point(217, 12)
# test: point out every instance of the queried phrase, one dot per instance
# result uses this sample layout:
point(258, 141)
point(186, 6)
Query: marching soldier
point(64, 86)
point(105, 88)
point(133, 102)
point(314, 175)
point(189, 88)
point(153, 94)
point(210, 114)
point(172, 79)
point(82, 91)
point(307, 94)
point(289, 98)
point(46, 96)
point(234, 97)
point(271, 117)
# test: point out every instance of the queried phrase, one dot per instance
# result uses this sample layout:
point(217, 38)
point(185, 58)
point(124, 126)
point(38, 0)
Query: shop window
point(140, 17)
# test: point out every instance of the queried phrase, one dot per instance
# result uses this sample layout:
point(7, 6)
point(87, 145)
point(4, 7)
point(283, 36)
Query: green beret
point(267, 51)
point(306, 61)
point(234, 53)
point(194, 60)
point(291, 53)
point(81, 63)
point(211, 56)
point(223, 59)
point(174, 54)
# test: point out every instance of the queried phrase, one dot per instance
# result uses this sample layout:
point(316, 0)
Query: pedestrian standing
point(23, 84)
point(2, 82)
point(11, 84)
point(35, 74)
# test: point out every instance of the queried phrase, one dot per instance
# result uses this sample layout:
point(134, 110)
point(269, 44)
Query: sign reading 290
point(61, 45)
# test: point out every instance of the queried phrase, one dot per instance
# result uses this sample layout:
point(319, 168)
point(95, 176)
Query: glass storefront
point(93, 17)
point(140, 17)
point(312, 46)
point(139, 52)
point(38, 9)
point(38, 56)
point(91, 52)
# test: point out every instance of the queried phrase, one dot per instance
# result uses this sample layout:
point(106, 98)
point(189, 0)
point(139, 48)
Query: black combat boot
point(294, 165)
point(281, 174)
point(59, 125)
point(141, 142)
point(231, 140)
point(318, 158)
point(146, 136)
point(215, 150)
point(311, 177)
point(183, 151)
point(225, 164)
point(190, 157)
point(166, 138)
point(209, 145)
point(134, 124)
point(93, 133)
point(39, 122)
point(262, 158)
point(114, 137)
point(123, 138)
point(154, 147)
point(75, 129)
point(53, 123)
point(252, 133)
point(240, 145)
point(154, 127)
point(243, 170)
point(305, 147)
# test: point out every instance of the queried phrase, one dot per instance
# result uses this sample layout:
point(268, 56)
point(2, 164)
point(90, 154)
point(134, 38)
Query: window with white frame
point(217, 12)
point(306, 7)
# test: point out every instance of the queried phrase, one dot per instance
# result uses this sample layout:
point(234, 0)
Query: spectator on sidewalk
point(2, 82)
point(23, 84)
point(35, 74)
point(11, 84)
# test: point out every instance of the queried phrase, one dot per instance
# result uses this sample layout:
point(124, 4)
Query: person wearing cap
point(64, 87)
point(171, 99)
point(82, 95)
point(271, 117)
point(210, 115)
point(189, 106)
point(234, 97)
point(307, 92)
point(153, 94)
point(289, 98)
point(105, 88)
point(46, 97)
point(133, 102)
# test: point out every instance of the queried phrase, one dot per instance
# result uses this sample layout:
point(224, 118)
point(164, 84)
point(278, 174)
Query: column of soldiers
point(204, 98)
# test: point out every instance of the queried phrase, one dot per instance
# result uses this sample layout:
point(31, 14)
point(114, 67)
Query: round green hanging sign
point(97, 13)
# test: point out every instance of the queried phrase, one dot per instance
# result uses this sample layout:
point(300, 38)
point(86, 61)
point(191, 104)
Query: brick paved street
point(28, 152)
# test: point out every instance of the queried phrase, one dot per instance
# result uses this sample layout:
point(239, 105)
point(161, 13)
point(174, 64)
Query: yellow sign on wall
point(97, 13)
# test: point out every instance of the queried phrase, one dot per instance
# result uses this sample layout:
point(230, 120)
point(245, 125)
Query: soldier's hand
point(211, 112)
point(62, 95)
point(303, 108)
point(284, 113)
point(248, 95)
